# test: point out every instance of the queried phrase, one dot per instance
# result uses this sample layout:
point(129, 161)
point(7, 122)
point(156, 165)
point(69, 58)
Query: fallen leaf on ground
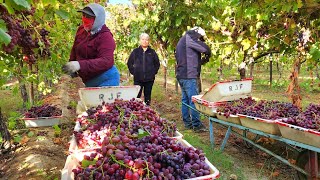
point(24, 140)
point(275, 174)
point(292, 161)
point(57, 141)
point(259, 165)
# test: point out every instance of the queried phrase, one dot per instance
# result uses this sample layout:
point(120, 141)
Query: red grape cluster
point(14, 27)
point(46, 49)
point(43, 111)
point(24, 40)
point(126, 117)
point(263, 32)
point(271, 110)
point(310, 118)
point(151, 157)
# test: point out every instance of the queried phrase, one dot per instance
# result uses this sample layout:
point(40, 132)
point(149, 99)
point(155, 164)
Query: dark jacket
point(143, 65)
point(93, 51)
point(188, 55)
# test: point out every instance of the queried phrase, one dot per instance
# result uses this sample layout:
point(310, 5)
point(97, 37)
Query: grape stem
point(121, 163)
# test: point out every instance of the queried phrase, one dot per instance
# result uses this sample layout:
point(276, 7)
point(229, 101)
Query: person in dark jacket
point(191, 53)
point(144, 64)
point(92, 54)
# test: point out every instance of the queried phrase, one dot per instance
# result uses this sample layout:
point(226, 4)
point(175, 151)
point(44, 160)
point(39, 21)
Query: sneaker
point(200, 128)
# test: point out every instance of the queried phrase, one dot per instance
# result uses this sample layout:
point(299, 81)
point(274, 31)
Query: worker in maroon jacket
point(92, 53)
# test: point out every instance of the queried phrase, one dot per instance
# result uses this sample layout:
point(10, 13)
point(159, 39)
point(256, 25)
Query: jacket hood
point(100, 19)
point(194, 34)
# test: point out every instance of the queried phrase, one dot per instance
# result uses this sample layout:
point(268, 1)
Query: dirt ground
point(43, 155)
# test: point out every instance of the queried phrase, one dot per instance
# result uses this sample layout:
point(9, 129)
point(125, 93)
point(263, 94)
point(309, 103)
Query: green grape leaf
point(4, 37)
point(85, 163)
point(22, 3)
point(3, 25)
point(142, 133)
point(17, 138)
point(30, 134)
point(315, 52)
point(246, 43)
point(63, 14)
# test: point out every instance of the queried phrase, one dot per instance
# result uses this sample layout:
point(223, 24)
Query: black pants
point(147, 88)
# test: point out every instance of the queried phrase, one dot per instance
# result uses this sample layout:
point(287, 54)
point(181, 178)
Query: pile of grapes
point(127, 117)
point(43, 111)
point(235, 107)
point(134, 143)
point(270, 110)
point(155, 157)
point(310, 118)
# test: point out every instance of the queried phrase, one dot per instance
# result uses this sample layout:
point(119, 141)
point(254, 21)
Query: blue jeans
point(189, 88)
point(109, 78)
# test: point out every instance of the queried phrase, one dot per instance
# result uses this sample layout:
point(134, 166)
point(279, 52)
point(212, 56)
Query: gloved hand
point(71, 67)
point(205, 59)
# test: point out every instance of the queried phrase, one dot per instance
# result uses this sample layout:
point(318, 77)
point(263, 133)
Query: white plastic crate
point(94, 96)
point(300, 134)
point(264, 125)
point(42, 121)
point(206, 107)
point(74, 159)
point(228, 91)
point(232, 118)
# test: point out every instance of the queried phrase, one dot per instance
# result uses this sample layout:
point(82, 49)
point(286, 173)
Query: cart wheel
point(252, 137)
point(303, 162)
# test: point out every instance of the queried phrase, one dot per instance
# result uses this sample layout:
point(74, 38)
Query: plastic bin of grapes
point(74, 159)
point(94, 96)
point(300, 134)
point(264, 125)
point(42, 121)
point(228, 91)
point(232, 118)
point(206, 107)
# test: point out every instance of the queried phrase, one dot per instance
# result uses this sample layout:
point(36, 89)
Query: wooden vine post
point(31, 90)
point(22, 85)
point(5, 134)
point(294, 90)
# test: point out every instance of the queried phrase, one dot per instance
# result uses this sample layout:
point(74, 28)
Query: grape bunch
point(24, 39)
point(310, 118)
point(14, 28)
point(263, 32)
point(45, 51)
point(151, 157)
point(43, 111)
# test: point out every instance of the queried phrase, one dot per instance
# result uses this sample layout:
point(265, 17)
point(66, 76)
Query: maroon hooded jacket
point(93, 52)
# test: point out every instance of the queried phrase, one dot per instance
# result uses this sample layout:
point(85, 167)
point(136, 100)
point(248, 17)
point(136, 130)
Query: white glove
point(71, 67)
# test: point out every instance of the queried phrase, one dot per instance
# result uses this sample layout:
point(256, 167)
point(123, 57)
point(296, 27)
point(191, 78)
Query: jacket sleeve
point(199, 46)
point(105, 58)
point(130, 62)
point(156, 62)
point(73, 53)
